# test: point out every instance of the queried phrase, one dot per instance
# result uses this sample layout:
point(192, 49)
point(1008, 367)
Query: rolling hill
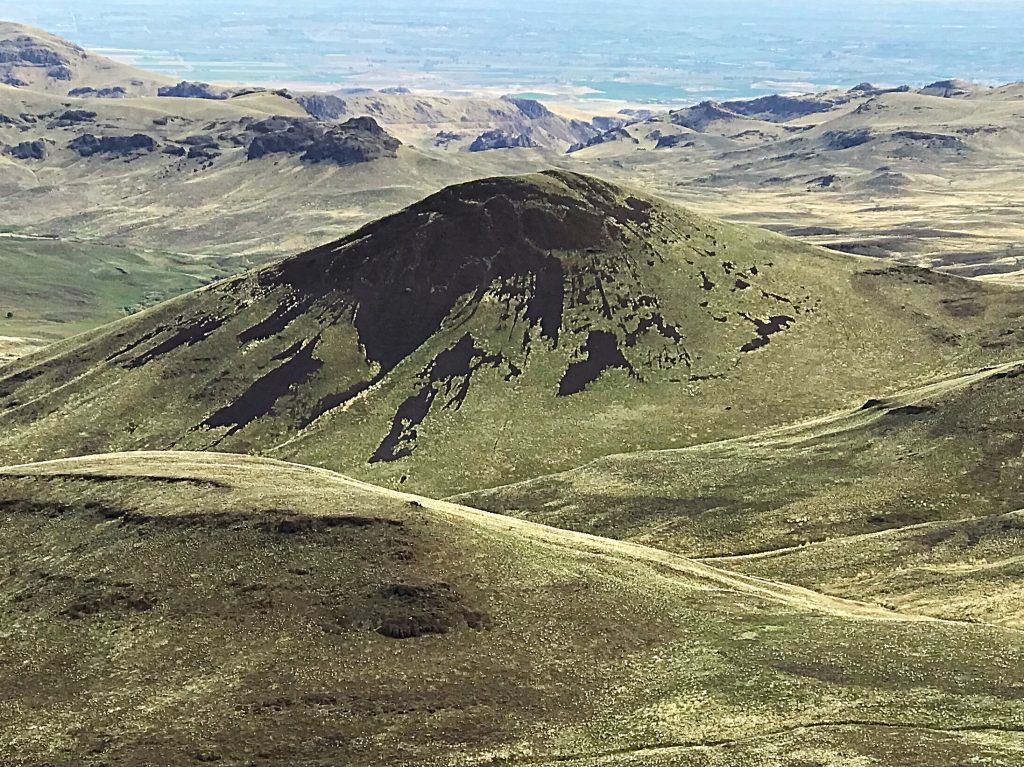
point(912, 501)
point(32, 58)
point(181, 609)
point(501, 330)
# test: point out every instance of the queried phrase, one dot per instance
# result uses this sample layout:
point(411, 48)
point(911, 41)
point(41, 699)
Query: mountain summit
point(423, 348)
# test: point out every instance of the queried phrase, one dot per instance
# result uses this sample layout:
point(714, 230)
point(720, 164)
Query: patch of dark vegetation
point(449, 375)
point(973, 532)
point(500, 139)
point(187, 335)
point(281, 317)
point(259, 399)
point(94, 477)
point(302, 524)
point(765, 330)
point(113, 599)
point(355, 141)
point(89, 145)
point(602, 350)
point(332, 401)
point(491, 237)
point(411, 611)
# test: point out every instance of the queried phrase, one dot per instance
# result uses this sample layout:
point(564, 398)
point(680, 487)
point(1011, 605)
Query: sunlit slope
point(501, 330)
point(187, 608)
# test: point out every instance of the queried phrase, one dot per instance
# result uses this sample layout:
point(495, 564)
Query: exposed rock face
point(616, 134)
point(840, 140)
point(949, 89)
point(499, 139)
point(776, 108)
point(192, 90)
point(73, 117)
point(355, 141)
point(698, 118)
point(323, 106)
point(116, 92)
point(605, 124)
point(529, 107)
point(24, 51)
point(89, 145)
point(28, 150)
point(669, 142)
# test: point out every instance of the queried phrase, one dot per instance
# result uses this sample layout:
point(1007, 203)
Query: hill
point(32, 58)
point(181, 609)
point(911, 500)
point(54, 289)
point(424, 348)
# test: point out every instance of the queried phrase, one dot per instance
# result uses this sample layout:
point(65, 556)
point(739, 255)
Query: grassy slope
point(463, 267)
point(56, 289)
point(172, 608)
point(912, 502)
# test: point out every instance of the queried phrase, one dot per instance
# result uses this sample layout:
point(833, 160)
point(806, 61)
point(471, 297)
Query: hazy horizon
point(644, 52)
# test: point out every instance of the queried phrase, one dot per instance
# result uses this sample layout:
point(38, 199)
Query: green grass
point(472, 311)
point(54, 289)
point(177, 608)
point(913, 502)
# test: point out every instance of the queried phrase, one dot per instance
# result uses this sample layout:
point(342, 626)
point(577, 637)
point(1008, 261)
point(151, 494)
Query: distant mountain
point(32, 58)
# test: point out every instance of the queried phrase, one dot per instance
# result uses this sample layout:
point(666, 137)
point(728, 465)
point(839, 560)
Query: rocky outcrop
point(28, 150)
point(698, 118)
point(355, 141)
point(25, 51)
point(323, 106)
point(776, 108)
point(616, 134)
point(529, 107)
point(73, 117)
point(499, 139)
point(192, 90)
point(116, 92)
point(89, 145)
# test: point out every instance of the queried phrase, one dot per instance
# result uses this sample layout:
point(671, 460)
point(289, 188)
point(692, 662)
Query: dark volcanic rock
point(840, 140)
point(192, 90)
point(669, 142)
point(60, 73)
point(89, 145)
point(698, 118)
point(499, 139)
point(116, 92)
point(323, 106)
point(28, 150)
point(616, 134)
point(25, 51)
point(14, 82)
point(529, 107)
point(355, 141)
point(777, 108)
point(73, 117)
